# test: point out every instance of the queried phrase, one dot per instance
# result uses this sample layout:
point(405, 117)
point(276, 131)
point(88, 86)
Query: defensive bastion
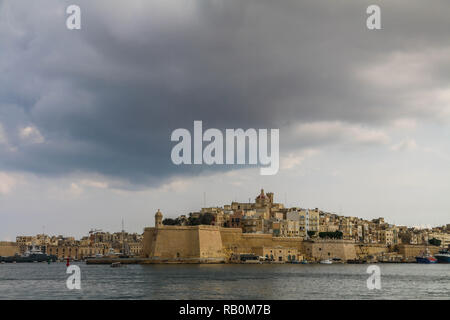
point(213, 244)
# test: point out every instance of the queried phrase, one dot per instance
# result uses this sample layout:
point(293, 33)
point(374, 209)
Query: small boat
point(326, 261)
point(304, 262)
point(356, 261)
point(426, 257)
point(116, 265)
point(252, 261)
point(443, 256)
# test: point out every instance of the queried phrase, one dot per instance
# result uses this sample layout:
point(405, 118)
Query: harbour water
point(266, 281)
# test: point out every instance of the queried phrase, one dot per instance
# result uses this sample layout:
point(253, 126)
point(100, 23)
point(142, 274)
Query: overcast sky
point(86, 115)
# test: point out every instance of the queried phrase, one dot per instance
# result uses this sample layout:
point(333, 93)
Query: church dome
point(261, 195)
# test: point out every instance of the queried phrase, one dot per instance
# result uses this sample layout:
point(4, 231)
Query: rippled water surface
point(399, 281)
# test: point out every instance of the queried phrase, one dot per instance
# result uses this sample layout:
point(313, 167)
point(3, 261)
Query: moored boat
point(33, 255)
point(426, 257)
point(356, 261)
point(443, 256)
point(326, 261)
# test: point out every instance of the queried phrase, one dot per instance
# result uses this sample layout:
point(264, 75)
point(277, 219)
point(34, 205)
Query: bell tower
point(158, 219)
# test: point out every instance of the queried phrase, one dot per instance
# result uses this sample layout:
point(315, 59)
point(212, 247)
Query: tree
point(435, 242)
point(173, 222)
point(169, 222)
point(193, 221)
point(207, 218)
point(331, 235)
point(311, 233)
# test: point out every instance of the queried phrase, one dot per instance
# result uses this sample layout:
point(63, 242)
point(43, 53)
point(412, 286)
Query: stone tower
point(263, 200)
point(270, 195)
point(158, 219)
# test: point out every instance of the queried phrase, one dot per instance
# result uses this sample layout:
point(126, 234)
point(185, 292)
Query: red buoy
point(67, 264)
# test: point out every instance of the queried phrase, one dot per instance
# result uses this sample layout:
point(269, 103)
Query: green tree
point(434, 242)
point(193, 221)
point(169, 222)
point(311, 234)
point(207, 218)
point(331, 235)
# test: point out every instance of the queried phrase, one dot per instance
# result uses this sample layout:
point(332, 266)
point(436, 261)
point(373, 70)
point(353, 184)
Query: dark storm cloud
point(106, 98)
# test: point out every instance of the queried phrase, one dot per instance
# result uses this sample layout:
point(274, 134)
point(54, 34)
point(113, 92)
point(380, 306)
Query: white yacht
point(326, 261)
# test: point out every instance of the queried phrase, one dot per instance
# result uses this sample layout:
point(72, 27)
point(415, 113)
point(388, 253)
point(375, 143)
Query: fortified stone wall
point(171, 242)
point(364, 250)
point(291, 242)
point(8, 248)
point(176, 243)
point(237, 242)
point(329, 249)
point(210, 242)
point(182, 242)
point(409, 251)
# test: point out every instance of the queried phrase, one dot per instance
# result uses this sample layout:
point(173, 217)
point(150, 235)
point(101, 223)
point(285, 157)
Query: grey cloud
point(106, 98)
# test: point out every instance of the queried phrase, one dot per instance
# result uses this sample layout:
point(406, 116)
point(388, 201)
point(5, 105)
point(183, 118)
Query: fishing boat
point(426, 257)
point(443, 256)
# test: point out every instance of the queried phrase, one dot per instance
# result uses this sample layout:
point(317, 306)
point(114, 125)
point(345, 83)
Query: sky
point(86, 115)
